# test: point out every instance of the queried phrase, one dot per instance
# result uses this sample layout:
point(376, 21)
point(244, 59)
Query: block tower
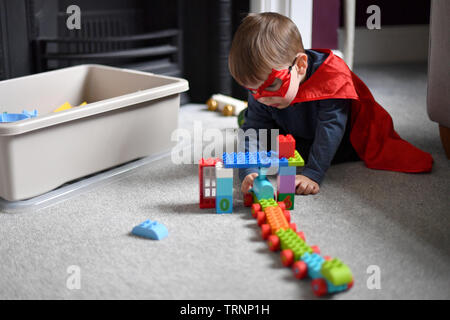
point(288, 163)
point(207, 182)
point(216, 175)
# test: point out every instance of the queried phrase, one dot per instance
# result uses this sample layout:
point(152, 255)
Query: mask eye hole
point(276, 84)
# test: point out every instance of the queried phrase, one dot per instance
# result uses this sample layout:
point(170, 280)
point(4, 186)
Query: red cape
point(372, 130)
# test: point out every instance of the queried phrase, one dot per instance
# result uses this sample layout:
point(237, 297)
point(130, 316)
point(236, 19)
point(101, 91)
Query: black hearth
point(189, 38)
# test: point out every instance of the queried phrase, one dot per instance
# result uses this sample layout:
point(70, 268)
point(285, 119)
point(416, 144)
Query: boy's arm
point(257, 116)
point(332, 120)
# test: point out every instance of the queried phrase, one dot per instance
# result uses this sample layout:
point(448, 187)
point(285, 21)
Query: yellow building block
point(65, 106)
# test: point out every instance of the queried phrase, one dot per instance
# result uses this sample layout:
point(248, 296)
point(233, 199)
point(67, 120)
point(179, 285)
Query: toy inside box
point(6, 117)
point(126, 110)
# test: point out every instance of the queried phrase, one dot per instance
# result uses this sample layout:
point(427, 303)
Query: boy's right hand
point(247, 183)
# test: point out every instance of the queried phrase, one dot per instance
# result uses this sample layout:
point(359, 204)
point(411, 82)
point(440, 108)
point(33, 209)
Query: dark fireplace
point(188, 39)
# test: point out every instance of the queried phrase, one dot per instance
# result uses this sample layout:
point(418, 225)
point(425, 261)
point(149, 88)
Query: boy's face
point(281, 87)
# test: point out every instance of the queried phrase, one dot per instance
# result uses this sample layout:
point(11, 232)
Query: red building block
point(286, 146)
point(207, 200)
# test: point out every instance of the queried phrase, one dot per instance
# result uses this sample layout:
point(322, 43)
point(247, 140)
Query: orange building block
point(276, 219)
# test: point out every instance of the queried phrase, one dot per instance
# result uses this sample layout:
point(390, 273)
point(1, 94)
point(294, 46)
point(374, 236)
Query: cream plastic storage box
point(130, 114)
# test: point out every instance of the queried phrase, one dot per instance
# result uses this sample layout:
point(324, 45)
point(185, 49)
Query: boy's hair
point(261, 42)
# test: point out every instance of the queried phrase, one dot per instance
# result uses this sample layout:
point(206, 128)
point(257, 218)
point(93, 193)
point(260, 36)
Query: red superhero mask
point(275, 77)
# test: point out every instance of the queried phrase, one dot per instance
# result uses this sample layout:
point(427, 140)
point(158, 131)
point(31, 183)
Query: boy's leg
point(345, 151)
point(303, 147)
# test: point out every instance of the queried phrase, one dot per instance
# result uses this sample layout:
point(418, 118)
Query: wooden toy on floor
point(227, 105)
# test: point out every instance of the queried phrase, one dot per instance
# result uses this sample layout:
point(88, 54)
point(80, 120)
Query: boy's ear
point(302, 63)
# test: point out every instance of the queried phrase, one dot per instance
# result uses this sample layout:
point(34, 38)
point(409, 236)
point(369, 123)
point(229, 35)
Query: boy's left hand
point(305, 185)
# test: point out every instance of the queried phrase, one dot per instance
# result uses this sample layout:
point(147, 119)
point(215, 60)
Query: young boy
point(312, 95)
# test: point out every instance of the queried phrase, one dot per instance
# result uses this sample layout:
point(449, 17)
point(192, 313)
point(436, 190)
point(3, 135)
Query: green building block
point(296, 160)
point(289, 239)
point(336, 272)
point(288, 199)
point(267, 203)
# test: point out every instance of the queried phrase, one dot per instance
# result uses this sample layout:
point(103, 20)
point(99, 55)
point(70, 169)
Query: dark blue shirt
point(317, 126)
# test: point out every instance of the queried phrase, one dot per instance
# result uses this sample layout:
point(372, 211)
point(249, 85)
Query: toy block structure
point(216, 190)
point(286, 173)
point(216, 182)
point(224, 189)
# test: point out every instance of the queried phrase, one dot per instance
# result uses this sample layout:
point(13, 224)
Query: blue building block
point(334, 289)
point(283, 162)
point(314, 263)
point(13, 117)
point(287, 171)
point(30, 114)
point(250, 159)
point(268, 159)
point(224, 186)
point(151, 229)
point(224, 204)
point(229, 159)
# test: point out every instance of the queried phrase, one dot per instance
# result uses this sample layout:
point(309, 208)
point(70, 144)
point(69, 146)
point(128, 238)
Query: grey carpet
point(398, 222)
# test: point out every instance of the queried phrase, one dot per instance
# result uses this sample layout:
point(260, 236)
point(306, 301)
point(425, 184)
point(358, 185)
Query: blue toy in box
point(13, 117)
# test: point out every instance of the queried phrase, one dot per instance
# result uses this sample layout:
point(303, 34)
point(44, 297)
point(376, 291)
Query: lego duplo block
point(287, 171)
point(250, 159)
point(276, 219)
point(222, 172)
point(268, 159)
point(206, 175)
point(268, 202)
point(314, 263)
point(288, 199)
point(151, 229)
point(13, 117)
point(283, 162)
point(289, 239)
point(224, 186)
point(296, 160)
point(286, 184)
point(331, 288)
point(336, 272)
point(262, 188)
point(286, 146)
point(224, 204)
